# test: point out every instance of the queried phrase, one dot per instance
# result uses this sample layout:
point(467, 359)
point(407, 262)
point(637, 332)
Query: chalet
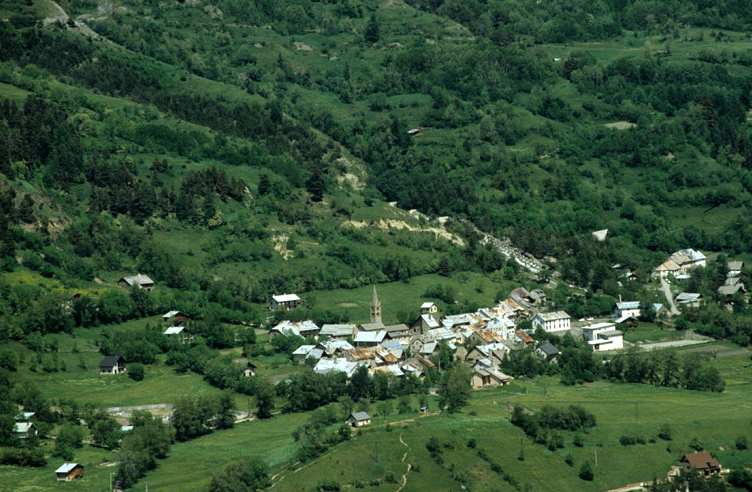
point(69, 472)
point(548, 352)
point(488, 376)
point(701, 463)
point(337, 331)
point(494, 352)
point(23, 430)
point(285, 302)
point(680, 262)
point(424, 323)
point(527, 340)
point(603, 336)
point(731, 286)
point(630, 308)
point(140, 281)
point(735, 268)
point(428, 308)
point(688, 299)
point(359, 419)
point(175, 317)
point(179, 333)
point(302, 353)
point(555, 321)
point(250, 368)
point(295, 328)
point(112, 364)
point(660, 310)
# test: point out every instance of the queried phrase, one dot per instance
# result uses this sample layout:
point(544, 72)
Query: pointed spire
point(375, 308)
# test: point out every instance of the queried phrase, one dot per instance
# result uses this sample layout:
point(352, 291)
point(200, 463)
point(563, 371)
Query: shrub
point(471, 443)
point(665, 432)
point(586, 472)
point(741, 443)
point(390, 477)
point(136, 372)
point(328, 485)
point(631, 440)
point(569, 460)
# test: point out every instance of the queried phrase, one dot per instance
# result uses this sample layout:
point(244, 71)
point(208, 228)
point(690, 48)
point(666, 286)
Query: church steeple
point(375, 308)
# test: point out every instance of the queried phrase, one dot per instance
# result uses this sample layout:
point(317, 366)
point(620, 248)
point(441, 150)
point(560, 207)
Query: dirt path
point(409, 465)
point(669, 297)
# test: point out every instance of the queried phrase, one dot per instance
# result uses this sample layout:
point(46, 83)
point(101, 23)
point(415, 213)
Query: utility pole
point(110, 481)
point(596, 456)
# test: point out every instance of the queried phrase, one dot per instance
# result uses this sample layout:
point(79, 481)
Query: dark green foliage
point(241, 476)
point(371, 33)
point(68, 440)
point(147, 442)
point(548, 418)
point(106, 432)
point(196, 417)
point(586, 472)
point(136, 371)
point(23, 457)
point(454, 388)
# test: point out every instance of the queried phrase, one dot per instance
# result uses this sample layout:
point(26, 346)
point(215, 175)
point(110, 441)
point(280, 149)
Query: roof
point(360, 416)
point(126, 428)
point(372, 326)
point(295, 328)
point(430, 321)
point(23, 426)
point(687, 297)
point(110, 361)
point(325, 366)
point(370, 336)
point(668, 265)
point(137, 280)
point(303, 349)
point(526, 338)
point(428, 348)
point(174, 330)
point(286, 297)
point(600, 235)
point(549, 349)
point(735, 266)
point(67, 467)
point(427, 305)
point(610, 333)
point(24, 416)
point(426, 363)
point(657, 307)
point(170, 314)
point(556, 315)
point(361, 354)
point(628, 305)
point(399, 328)
point(599, 326)
point(442, 334)
point(700, 460)
point(624, 318)
point(337, 330)
point(331, 346)
point(730, 289)
point(687, 256)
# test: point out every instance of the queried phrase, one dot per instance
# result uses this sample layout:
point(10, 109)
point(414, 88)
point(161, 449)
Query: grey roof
point(337, 330)
point(137, 280)
point(687, 297)
point(735, 266)
point(610, 333)
point(628, 305)
point(370, 336)
point(110, 361)
point(730, 289)
point(553, 316)
point(360, 416)
point(548, 349)
point(397, 328)
point(372, 326)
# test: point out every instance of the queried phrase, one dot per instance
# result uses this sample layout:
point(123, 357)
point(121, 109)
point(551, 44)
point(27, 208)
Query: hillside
point(236, 149)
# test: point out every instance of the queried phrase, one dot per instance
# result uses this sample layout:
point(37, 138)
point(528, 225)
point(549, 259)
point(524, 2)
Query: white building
point(603, 336)
point(284, 301)
point(556, 321)
point(627, 309)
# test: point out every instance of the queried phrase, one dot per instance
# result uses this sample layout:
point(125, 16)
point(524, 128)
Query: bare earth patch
point(620, 125)
point(347, 304)
point(387, 224)
point(301, 46)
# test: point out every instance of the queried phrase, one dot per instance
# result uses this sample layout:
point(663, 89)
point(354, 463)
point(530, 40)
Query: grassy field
point(620, 409)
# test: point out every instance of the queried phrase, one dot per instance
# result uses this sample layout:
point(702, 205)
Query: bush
point(741, 443)
point(136, 372)
point(665, 432)
point(23, 457)
point(569, 460)
point(586, 472)
point(631, 440)
point(471, 443)
point(390, 477)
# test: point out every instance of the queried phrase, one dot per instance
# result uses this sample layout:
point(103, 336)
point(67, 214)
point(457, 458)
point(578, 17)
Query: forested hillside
point(236, 149)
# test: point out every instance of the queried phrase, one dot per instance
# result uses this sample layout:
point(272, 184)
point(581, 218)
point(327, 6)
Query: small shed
point(701, 462)
point(359, 419)
point(23, 430)
point(112, 364)
point(140, 281)
point(69, 472)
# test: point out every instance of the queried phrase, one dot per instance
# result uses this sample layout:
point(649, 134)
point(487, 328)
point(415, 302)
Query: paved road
point(669, 297)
